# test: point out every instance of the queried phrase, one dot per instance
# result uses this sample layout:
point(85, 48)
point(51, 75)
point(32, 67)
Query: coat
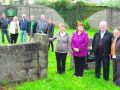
point(12, 27)
point(50, 30)
point(106, 43)
point(118, 49)
point(80, 42)
point(34, 27)
point(63, 43)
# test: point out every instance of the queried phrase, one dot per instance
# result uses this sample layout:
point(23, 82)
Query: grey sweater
point(63, 43)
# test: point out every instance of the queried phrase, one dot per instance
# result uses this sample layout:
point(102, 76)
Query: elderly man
point(23, 28)
point(101, 46)
point(42, 25)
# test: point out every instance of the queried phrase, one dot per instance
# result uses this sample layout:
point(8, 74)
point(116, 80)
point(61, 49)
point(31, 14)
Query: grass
point(67, 81)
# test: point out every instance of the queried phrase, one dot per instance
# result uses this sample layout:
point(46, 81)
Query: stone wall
point(37, 11)
point(112, 16)
point(24, 61)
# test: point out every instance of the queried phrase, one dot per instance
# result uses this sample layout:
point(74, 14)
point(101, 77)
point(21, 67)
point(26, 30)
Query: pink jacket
point(81, 42)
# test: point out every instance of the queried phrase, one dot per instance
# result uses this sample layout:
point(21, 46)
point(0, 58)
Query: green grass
point(67, 81)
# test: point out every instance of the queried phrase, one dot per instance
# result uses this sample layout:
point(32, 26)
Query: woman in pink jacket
point(79, 44)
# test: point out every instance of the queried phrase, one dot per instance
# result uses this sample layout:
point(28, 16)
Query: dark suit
point(102, 50)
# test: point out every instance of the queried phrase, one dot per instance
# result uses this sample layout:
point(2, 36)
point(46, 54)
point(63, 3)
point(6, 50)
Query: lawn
point(67, 81)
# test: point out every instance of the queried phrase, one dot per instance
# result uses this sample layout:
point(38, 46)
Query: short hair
point(23, 15)
point(105, 22)
point(61, 25)
point(80, 24)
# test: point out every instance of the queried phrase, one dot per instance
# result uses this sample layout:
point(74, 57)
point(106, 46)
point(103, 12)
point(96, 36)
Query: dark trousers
point(118, 74)
point(14, 38)
point(79, 65)
point(52, 46)
point(4, 31)
point(105, 62)
point(61, 62)
point(114, 69)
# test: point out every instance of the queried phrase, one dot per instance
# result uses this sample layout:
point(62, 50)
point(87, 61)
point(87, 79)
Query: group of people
point(23, 27)
point(105, 45)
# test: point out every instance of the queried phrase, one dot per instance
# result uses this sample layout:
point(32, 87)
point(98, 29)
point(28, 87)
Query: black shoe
point(106, 79)
point(97, 77)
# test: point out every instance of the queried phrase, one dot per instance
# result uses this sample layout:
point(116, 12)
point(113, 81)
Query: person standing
point(23, 28)
point(101, 46)
point(4, 26)
point(79, 45)
point(62, 48)
point(50, 31)
point(32, 24)
point(113, 54)
point(117, 49)
point(14, 30)
point(42, 25)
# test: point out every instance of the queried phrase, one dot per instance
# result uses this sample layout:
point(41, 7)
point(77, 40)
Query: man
point(42, 25)
point(31, 27)
point(23, 28)
point(4, 26)
point(101, 46)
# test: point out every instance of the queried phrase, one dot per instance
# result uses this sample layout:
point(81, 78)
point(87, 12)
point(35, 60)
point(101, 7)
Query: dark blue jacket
point(4, 23)
point(23, 24)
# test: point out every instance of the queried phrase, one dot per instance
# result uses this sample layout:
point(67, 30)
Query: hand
point(69, 54)
point(76, 49)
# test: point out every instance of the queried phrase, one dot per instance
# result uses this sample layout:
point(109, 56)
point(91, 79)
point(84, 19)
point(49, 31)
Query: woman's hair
point(80, 24)
point(61, 25)
point(15, 17)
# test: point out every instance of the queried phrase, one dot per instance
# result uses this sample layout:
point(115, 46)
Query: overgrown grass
point(67, 81)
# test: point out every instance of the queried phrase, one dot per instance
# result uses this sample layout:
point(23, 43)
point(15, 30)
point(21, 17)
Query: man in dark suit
point(101, 46)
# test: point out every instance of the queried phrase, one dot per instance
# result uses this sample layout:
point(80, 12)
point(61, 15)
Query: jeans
point(4, 31)
point(23, 36)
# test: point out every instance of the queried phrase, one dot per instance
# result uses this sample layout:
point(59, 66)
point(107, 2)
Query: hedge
point(73, 12)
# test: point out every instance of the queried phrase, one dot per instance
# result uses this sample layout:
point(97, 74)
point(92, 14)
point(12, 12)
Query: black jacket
point(4, 23)
point(34, 27)
point(106, 43)
point(50, 30)
point(118, 49)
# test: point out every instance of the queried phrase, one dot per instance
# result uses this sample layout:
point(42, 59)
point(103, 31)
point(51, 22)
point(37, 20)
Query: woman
point(14, 29)
point(118, 59)
point(62, 47)
point(79, 44)
point(50, 31)
point(113, 54)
